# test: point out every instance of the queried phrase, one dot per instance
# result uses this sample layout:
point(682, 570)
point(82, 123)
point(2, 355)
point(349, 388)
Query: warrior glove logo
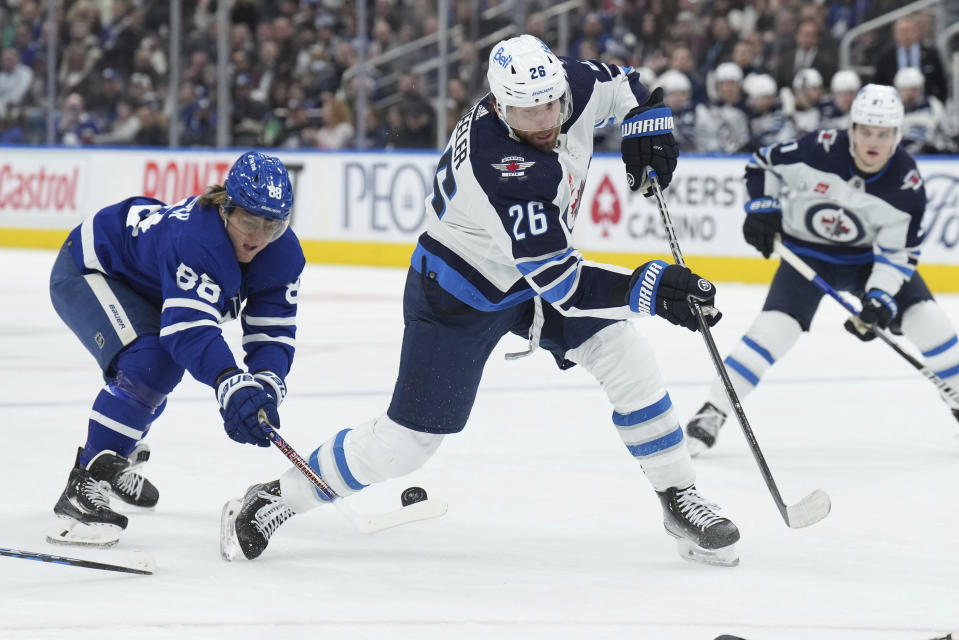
point(649, 123)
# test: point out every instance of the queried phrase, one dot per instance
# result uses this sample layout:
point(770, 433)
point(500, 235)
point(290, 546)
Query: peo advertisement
point(379, 197)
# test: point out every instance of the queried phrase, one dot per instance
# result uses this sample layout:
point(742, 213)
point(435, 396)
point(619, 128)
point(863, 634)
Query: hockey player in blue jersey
point(497, 258)
point(145, 286)
point(851, 204)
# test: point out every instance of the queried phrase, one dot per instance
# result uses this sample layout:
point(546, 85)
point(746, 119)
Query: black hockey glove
point(662, 289)
point(764, 219)
point(878, 310)
point(648, 142)
point(241, 398)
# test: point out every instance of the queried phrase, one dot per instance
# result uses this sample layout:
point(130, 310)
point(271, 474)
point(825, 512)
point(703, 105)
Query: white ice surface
point(552, 531)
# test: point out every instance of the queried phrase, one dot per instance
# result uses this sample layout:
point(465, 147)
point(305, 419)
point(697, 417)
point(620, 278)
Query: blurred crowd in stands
point(738, 74)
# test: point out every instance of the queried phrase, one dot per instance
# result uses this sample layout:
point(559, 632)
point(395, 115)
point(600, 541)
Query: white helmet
point(909, 78)
point(845, 80)
point(673, 80)
point(647, 76)
point(757, 85)
point(523, 72)
point(878, 105)
point(807, 79)
point(729, 71)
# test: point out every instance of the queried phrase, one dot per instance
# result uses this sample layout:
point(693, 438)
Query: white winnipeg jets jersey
point(833, 213)
point(501, 214)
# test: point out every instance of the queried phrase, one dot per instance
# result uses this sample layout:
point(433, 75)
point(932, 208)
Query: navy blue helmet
point(259, 184)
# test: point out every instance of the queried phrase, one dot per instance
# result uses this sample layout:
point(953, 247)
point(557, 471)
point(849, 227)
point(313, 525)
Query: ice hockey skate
point(246, 525)
point(131, 487)
point(701, 534)
point(83, 513)
point(703, 429)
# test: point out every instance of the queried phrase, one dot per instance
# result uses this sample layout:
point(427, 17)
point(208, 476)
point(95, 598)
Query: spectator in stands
point(807, 54)
point(835, 109)
point(418, 117)
point(744, 55)
point(248, 113)
point(153, 128)
point(121, 36)
point(124, 127)
point(75, 127)
point(337, 131)
point(458, 102)
point(682, 61)
point(909, 51)
point(925, 128)
point(15, 79)
point(720, 44)
point(101, 94)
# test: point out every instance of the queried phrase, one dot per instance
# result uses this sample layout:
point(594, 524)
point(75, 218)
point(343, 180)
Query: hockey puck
point(412, 494)
point(729, 637)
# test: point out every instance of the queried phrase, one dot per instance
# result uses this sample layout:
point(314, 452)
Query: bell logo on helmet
point(504, 61)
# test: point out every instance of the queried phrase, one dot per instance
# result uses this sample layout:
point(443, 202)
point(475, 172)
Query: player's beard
point(539, 139)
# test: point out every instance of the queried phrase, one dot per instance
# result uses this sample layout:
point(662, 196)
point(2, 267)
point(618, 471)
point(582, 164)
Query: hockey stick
point(816, 505)
point(142, 563)
point(810, 274)
point(365, 522)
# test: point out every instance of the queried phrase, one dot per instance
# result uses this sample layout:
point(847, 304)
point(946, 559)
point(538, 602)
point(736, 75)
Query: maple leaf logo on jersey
point(512, 166)
point(606, 210)
point(912, 181)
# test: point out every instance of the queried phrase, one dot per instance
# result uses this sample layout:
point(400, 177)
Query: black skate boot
point(703, 429)
point(701, 534)
point(130, 486)
point(83, 512)
point(246, 525)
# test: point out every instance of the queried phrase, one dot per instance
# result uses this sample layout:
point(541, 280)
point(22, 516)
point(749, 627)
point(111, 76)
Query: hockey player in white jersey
point(925, 127)
point(145, 286)
point(855, 220)
point(497, 258)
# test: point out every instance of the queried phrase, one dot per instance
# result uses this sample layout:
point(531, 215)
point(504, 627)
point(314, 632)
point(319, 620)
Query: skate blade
point(229, 545)
point(722, 557)
point(67, 531)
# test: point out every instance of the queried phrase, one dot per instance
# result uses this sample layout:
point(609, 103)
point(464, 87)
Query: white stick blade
point(425, 510)
point(809, 510)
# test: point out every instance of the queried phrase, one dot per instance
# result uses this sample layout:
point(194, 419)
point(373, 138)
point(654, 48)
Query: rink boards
point(368, 208)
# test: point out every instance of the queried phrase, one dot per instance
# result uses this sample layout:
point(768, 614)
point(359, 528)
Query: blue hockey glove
point(662, 289)
point(764, 219)
point(241, 398)
point(648, 142)
point(878, 310)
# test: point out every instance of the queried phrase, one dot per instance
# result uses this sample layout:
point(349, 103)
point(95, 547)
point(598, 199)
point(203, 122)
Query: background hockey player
point(497, 258)
point(145, 286)
point(857, 225)
point(925, 127)
point(768, 121)
point(843, 88)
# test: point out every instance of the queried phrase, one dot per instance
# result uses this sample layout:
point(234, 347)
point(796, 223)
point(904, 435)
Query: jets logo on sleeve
point(912, 181)
point(512, 166)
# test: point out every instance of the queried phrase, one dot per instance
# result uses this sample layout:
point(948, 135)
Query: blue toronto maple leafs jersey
point(180, 258)
point(832, 213)
point(501, 214)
